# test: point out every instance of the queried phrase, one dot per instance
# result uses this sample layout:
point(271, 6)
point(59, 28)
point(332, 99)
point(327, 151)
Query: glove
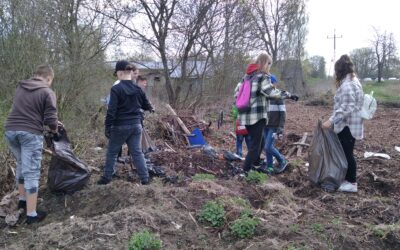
point(279, 134)
point(56, 136)
point(107, 133)
point(294, 97)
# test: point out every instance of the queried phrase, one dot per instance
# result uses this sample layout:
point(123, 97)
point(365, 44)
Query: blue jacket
point(127, 105)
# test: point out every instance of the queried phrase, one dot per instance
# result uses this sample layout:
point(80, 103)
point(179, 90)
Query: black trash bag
point(328, 164)
point(155, 171)
point(67, 174)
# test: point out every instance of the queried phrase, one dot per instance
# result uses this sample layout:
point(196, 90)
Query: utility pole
point(334, 37)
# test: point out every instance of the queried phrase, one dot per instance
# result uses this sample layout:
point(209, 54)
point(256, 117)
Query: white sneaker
point(348, 187)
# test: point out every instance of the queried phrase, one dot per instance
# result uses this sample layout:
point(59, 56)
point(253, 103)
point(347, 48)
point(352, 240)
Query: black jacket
point(127, 105)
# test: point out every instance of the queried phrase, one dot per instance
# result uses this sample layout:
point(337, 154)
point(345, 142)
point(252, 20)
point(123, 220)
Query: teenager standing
point(346, 118)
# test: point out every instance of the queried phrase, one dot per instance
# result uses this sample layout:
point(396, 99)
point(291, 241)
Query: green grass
point(311, 81)
point(388, 91)
point(204, 177)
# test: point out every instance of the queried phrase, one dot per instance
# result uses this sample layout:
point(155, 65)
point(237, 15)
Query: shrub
point(213, 213)
point(203, 177)
point(244, 227)
point(144, 241)
point(256, 177)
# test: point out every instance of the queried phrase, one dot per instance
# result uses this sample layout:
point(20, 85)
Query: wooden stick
point(300, 144)
point(194, 220)
point(166, 144)
point(233, 135)
point(303, 140)
point(374, 175)
point(208, 171)
point(180, 202)
point(291, 151)
point(180, 122)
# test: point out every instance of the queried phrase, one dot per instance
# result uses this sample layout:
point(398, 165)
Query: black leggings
point(347, 141)
point(256, 132)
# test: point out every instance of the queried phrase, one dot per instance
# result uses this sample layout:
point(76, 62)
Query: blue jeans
point(132, 135)
point(27, 150)
point(239, 143)
point(269, 147)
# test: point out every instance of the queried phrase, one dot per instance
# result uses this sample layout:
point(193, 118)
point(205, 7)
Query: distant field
point(388, 91)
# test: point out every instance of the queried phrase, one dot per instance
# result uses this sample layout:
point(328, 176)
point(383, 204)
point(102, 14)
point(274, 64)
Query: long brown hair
point(264, 61)
point(343, 66)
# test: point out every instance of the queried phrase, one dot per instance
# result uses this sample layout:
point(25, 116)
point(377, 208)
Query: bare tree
point(385, 49)
point(170, 27)
point(280, 28)
point(364, 62)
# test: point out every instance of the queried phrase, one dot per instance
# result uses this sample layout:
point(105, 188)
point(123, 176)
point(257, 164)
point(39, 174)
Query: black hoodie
point(34, 105)
point(127, 105)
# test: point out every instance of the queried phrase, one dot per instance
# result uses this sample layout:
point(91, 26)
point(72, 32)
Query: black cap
point(123, 65)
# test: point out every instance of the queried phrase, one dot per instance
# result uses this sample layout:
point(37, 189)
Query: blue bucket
point(196, 138)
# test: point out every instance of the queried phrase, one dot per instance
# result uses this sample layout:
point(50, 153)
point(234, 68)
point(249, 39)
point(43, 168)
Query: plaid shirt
point(261, 90)
point(349, 99)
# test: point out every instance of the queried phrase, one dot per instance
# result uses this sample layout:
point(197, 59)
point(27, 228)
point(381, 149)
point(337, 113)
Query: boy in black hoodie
point(124, 122)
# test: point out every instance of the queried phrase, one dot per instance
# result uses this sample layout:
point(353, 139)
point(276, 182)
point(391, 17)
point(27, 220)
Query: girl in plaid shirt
point(346, 118)
point(256, 117)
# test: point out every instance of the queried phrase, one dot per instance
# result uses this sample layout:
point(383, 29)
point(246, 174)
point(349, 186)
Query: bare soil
point(293, 213)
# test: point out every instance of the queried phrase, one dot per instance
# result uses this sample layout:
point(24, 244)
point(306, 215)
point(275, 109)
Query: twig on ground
point(208, 171)
point(374, 175)
point(180, 202)
point(193, 219)
point(173, 150)
point(106, 234)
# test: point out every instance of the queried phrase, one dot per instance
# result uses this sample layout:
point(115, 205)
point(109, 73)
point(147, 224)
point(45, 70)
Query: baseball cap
point(123, 65)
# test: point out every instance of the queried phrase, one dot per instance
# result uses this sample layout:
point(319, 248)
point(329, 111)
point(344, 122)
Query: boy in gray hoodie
point(34, 106)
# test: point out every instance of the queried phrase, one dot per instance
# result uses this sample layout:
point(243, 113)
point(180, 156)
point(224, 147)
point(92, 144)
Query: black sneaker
point(21, 205)
point(35, 219)
point(103, 181)
point(145, 182)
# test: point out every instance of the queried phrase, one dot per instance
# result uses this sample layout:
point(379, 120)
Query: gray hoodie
point(34, 106)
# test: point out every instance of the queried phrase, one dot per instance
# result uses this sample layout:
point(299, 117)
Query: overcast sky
point(353, 20)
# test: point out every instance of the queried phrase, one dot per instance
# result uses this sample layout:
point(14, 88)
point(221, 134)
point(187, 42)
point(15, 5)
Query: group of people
point(34, 106)
point(264, 122)
point(265, 119)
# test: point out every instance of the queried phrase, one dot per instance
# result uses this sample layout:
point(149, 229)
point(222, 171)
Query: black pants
point(256, 132)
point(347, 141)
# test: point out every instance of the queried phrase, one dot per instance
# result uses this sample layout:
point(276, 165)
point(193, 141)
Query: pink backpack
point(243, 97)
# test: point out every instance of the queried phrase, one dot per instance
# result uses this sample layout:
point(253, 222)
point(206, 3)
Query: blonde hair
point(264, 60)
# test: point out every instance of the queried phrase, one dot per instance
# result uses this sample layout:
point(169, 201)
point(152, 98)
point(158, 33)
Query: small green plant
point(337, 222)
point(240, 202)
point(204, 177)
point(294, 228)
point(144, 241)
point(244, 227)
point(317, 228)
point(213, 213)
point(256, 177)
